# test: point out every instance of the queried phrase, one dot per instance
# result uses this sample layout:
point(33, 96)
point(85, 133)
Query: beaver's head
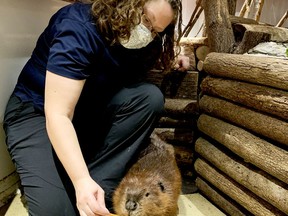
point(143, 197)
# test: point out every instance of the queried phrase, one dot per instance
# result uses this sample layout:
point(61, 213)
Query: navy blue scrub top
point(72, 47)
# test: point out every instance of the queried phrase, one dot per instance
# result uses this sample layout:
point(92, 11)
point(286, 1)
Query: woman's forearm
point(61, 96)
point(65, 143)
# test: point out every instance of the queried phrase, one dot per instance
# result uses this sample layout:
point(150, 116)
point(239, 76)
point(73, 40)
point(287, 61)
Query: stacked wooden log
point(178, 124)
point(196, 49)
point(242, 153)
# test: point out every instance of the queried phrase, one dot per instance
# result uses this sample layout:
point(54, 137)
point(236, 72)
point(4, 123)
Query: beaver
point(152, 186)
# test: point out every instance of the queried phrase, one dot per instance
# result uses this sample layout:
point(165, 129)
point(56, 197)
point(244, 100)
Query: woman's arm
point(61, 97)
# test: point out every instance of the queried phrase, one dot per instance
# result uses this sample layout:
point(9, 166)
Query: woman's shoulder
point(74, 19)
point(75, 12)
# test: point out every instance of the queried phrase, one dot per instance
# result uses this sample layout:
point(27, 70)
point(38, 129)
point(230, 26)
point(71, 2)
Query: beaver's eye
point(161, 186)
point(147, 194)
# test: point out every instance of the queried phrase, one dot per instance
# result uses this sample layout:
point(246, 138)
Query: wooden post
point(194, 17)
point(282, 20)
point(232, 6)
point(259, 9)
point(218, 26)
point(245, 8)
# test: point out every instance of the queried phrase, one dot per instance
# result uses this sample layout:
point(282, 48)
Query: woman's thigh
point(39, 169)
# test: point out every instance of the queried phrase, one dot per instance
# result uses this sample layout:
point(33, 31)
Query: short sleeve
point(73, 49)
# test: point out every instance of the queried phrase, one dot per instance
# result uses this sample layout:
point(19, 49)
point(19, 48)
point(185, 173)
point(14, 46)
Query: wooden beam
point(282, 20)
point(232, 189)
point(271, 190)
point(259, 7)
point(253, 69)
point(271, 101)
point(245, 8)
point(252, 149)
point(261, 124)
point(224, 202)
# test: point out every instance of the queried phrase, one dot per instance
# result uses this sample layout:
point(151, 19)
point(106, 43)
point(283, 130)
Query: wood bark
point(183, 155)
point(218, 26)
point(175, 84)
point(259, 8)
point(282, 20)
point(181, 107)
point(191, 41)
point(245, 8)
point(257, 122)
point(237, 19)
point(200, 65)
point(252, 69)
point(175, 136)
point(232, 6)
point(8, 187)
point(252, 149)
point(225, 203)
point(238, 193)
point(168, 122)
point(273, 191)
point(202, 52)
point(261, 98)
point(278, 34)
point(249, 39)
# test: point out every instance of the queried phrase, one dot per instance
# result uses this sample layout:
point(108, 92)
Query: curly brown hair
point(115, 19)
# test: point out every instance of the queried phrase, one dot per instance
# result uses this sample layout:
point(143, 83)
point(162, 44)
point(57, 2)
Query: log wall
point(242, 151)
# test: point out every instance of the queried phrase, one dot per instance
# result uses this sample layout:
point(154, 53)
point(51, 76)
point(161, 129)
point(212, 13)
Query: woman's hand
point(182, 63)
point(90, 198)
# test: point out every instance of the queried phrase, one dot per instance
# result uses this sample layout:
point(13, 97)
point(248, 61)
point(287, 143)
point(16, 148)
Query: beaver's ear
point(162, 187)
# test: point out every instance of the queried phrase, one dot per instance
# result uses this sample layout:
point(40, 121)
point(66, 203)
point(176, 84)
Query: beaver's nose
point(131, 205)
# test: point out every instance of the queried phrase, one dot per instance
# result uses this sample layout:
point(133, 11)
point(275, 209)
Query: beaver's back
point(152, 185)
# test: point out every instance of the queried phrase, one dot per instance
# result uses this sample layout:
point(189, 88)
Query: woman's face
point(158, 15)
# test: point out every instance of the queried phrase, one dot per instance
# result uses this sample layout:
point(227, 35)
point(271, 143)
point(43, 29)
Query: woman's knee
point(139, 96)
point(154, 98)
point(46, 199)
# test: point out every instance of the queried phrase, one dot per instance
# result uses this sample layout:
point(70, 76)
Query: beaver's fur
point(152, 185)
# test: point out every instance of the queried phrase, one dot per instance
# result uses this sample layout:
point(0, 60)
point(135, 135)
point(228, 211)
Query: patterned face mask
point(140, 37)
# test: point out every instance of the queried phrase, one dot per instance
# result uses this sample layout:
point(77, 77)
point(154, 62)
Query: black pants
point(131, 114)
